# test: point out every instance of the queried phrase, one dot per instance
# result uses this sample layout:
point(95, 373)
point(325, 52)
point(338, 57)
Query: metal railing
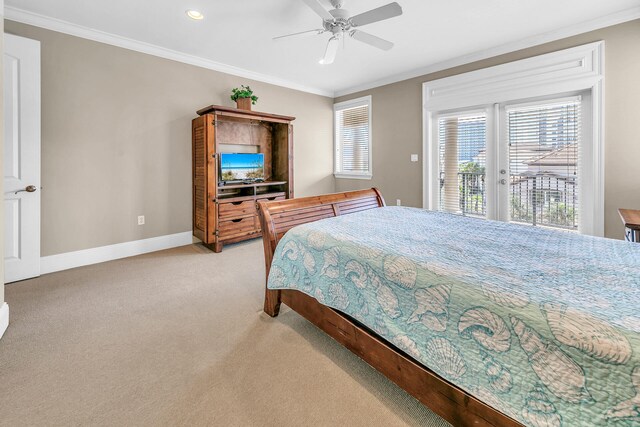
point(543, 199)
point(473, 200)
point(471, 191)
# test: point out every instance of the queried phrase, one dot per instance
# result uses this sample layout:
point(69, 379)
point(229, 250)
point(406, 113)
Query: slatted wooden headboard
point(278, 217)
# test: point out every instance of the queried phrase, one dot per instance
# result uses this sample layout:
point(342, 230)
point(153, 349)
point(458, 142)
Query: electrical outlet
point(398, 202)
point(141, 220)
point(414, 157)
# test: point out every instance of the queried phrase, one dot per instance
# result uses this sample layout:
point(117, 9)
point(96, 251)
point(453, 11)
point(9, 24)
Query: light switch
point(414, 157)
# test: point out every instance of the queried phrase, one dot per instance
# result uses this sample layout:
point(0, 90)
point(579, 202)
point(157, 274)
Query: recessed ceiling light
point(194, 14)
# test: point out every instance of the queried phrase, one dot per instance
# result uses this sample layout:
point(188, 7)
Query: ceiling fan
point(340, 25)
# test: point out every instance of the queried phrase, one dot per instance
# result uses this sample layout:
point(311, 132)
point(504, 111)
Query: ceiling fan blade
point(319, 9)
point(379, 14)
point(371, 40)
point(330, 53)
point(302, 33)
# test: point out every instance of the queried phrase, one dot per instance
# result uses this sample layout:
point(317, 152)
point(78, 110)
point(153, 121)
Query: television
point(241, 167)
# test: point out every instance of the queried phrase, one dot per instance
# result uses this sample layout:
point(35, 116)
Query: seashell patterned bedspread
point(541, 325)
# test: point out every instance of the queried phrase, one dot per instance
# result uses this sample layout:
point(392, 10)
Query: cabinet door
point(290, 162)
point(283, 155)
point(205, 178)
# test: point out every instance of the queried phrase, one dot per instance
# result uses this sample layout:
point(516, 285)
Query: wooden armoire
point(224, 213)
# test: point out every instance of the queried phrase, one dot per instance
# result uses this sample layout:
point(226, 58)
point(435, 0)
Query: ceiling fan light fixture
point(341, 24)
point(330, 52)
point(195, 15)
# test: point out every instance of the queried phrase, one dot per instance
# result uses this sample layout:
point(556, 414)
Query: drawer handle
point(237, 220)
point(236, 203)
point(271, 198)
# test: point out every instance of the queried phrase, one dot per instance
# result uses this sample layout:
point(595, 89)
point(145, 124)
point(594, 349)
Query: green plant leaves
point(243, 92)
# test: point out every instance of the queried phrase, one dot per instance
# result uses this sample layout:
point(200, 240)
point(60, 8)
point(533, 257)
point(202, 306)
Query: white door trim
point(569, 70)
point(4, 317)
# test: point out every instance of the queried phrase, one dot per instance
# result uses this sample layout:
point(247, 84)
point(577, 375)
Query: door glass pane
point(462, 144)
point(543, 162)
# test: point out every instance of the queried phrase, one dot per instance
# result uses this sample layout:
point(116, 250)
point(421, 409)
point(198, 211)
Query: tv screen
point(241, 166)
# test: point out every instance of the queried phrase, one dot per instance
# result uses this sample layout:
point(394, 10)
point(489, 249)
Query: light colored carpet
point(178, 337)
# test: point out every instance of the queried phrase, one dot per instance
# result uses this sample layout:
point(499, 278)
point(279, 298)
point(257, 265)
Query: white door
point(21, 158)
point(543, 146)
point(524, 162)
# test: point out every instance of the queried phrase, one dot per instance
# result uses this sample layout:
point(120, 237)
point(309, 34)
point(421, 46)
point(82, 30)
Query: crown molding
point(30, 18)
point(584, 27)
point(23, 16)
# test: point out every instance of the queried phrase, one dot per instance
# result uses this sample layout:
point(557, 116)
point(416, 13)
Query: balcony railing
point(473, 200)
point(543, 199)
point(472, 193)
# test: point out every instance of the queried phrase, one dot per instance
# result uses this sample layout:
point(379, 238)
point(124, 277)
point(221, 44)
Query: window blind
point(462, 146)
point(353, 140)
point(543, 161)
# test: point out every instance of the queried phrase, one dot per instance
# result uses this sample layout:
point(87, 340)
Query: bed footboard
point(278, 217)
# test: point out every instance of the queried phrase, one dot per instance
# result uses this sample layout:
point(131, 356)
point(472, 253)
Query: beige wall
point(397, 123)
point(116, 139)
point(116, 135)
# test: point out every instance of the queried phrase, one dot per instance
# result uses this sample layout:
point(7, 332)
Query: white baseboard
point(49, 264)
point(4, 318)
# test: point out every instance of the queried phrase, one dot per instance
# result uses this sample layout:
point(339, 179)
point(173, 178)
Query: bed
point(484, 322)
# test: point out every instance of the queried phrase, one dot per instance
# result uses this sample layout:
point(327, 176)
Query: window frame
point(570, 70)
point(352, 103)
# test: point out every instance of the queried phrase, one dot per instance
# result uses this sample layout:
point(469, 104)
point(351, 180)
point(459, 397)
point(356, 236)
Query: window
point(463, 147)
point(544, 144)
point(353, 138)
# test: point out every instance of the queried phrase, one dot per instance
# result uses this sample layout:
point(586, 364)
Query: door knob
point(29, 189)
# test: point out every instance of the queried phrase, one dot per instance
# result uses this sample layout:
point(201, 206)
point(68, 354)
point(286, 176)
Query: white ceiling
point(238, 33)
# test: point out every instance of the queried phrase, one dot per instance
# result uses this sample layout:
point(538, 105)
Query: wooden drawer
point(233, 210)
point(238, 227)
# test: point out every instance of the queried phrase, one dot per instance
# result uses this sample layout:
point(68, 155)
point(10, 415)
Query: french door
point(519, 161)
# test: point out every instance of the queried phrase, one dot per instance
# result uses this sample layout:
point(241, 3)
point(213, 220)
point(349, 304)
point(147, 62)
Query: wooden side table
point(631, 220)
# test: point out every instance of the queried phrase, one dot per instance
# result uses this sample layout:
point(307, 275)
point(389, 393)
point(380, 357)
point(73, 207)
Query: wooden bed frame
point(451, 403)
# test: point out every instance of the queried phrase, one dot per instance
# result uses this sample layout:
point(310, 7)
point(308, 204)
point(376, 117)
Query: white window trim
point(570, 70)
point(357, 102)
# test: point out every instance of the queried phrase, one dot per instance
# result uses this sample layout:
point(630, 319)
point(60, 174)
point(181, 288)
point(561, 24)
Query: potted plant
point(243, 97)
